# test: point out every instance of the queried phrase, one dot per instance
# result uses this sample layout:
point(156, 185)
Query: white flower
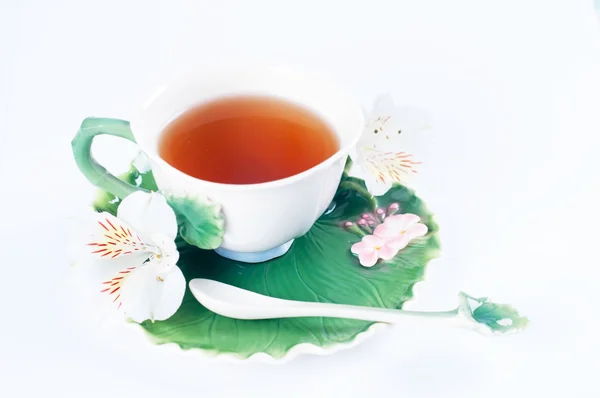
point(133, 257)
point(382, 156)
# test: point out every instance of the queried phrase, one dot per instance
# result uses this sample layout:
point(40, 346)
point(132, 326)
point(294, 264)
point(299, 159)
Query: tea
point(246, 140)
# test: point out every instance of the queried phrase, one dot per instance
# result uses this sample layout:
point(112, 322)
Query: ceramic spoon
point(234, 302)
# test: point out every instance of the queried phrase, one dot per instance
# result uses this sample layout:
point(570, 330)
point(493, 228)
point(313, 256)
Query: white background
point(510, 170)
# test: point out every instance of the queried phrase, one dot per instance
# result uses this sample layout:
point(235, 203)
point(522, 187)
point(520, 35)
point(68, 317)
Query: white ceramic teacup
point(261, 220)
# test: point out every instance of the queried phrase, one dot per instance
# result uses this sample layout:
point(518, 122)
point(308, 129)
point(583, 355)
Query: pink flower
point(400, 229)
point(371, 248)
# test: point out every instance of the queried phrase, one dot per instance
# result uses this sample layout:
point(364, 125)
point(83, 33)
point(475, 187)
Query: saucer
point(318, 267)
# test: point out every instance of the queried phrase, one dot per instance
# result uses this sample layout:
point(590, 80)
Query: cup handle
point(92, 170)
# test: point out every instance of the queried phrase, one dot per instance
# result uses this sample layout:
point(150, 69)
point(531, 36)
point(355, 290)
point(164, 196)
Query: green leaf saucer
point(318, 267)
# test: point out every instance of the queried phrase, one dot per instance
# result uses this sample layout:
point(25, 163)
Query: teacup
point(261, 220)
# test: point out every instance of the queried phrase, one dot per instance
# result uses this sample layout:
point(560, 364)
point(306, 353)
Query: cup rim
point(341, 152)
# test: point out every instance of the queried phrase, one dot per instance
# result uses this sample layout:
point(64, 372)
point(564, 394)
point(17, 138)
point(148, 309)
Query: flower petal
point(92, 272)
point(152, 293)
point(372, 240)
point(368, 258)
point(388, 122)
point(387, 252)
point(388, 166)
point(399, 130)
point(148, 213)
point(400, 222)
point(381, 110)
point(375, 187)
point(395, 222)
point(412, 119)
point(383, 150)
point(411, 219)
point(416, 231)
point(385, 231)
point(360, 247)
point(112, 286)
point(111, 238)
point(398, 243)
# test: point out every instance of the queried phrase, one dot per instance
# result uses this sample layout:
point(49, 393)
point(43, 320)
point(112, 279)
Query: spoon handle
point(304, 309)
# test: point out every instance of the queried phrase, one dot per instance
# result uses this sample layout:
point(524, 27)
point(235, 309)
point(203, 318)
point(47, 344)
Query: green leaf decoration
point(319, 267)
point(200, 221)
point(499, 317)
point(491, 317)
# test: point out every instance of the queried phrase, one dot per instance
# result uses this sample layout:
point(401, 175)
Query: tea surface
point(246, 140)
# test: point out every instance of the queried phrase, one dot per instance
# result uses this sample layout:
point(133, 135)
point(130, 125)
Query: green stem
point(356, 230)
point(478, 299)
point(367, 229)
point(432, 314)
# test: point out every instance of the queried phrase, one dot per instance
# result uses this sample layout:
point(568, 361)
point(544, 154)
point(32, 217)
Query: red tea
point(246, 140)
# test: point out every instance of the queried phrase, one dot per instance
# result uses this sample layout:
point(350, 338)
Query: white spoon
point(233, 302)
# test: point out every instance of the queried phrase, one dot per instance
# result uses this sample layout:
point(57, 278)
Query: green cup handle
point(92, 170)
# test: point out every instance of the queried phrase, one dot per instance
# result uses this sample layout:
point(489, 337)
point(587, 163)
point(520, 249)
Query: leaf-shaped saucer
point(318, 267)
